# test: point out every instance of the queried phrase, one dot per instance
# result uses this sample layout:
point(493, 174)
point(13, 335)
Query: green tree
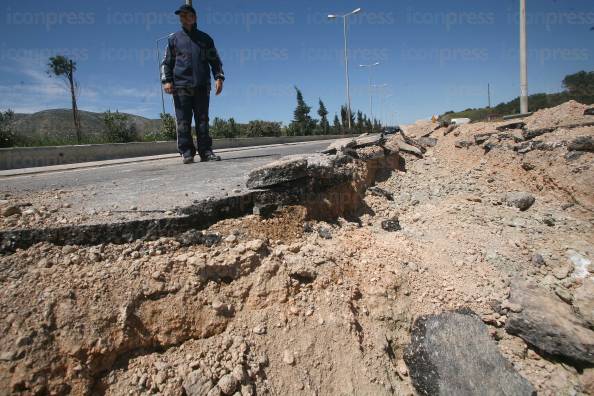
point(302, 124)
point(232, 129)
point(324, 124)
point(336, 127)
point(580, 83)
point(359, 125)
point(168, 126)
point(119, 128)
point(345, 121)
point(7, 135)
point(62, 67)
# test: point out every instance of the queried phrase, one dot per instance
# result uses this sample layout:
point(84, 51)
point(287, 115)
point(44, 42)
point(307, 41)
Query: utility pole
point(370, 66)
point(523, 60)
point(346, 58)
point(489, 95)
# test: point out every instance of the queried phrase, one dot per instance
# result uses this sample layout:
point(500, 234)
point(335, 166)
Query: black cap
point(185, 8)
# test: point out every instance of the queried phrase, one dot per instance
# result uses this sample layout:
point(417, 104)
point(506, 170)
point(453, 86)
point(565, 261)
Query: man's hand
point(168, 88)
point(218, 87)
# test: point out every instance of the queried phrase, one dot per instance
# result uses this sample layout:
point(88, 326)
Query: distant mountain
point(57, 125)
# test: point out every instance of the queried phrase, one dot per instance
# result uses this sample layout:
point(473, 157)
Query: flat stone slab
point(453, 354)
point(549, 324)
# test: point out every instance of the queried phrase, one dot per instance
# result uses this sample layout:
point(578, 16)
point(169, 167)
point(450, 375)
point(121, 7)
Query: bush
point(168, 127)
point(7, 135)
point(119, 128)
point(263, 128)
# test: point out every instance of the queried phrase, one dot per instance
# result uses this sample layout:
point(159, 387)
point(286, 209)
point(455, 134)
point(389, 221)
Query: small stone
point(255, 245)
point(288, 358)
point(10, 211)
point(392, 225)
point(527, 166)
point(260, 329)
point(156, 275)
point(402, 369)
point(474, 198)
point(564, 294)
point(134, 208)
point(520, 200)
point(538, 260)
point(7, 356)
point(228, 384)
point(325, 233)
point(247, 390)
point(239, 374)
point(549, 220)
point(562, 273)
point(231, 239)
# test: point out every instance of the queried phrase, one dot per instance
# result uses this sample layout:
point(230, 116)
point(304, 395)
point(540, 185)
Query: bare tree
point(62, 67)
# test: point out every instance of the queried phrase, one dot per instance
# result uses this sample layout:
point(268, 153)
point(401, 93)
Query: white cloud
point(38, 91)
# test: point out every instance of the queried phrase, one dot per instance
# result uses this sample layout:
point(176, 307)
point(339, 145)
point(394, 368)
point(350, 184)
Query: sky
point(434, 55)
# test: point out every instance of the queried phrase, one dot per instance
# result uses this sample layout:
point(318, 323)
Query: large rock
point(284, 170)
point(549, 324)
point(520, 200)
point(452, 354)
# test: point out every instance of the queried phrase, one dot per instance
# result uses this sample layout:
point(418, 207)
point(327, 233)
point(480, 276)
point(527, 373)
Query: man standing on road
point(185, 73)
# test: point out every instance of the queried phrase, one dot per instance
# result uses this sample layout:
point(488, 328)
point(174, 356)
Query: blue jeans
point(192, 101)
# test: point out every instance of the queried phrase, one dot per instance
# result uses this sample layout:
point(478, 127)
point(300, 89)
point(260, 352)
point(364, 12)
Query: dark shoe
point(188, 158)
point(209, 156)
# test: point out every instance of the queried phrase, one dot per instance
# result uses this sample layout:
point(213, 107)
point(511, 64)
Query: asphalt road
point(157, 185)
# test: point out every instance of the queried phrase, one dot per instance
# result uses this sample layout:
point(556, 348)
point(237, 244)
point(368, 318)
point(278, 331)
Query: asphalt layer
point(146, 189)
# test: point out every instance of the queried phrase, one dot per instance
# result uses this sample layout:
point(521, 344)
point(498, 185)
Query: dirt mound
point(565, 114)
point(290, 304)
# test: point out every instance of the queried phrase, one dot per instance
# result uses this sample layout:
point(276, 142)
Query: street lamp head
point(356, 11)
point(376, 63)
point(331, 16)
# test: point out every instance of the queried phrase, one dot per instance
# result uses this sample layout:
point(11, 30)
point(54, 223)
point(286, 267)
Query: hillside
point(578, 87)
point(57, 126)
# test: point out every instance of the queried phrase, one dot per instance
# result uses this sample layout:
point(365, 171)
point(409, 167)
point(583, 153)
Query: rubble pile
point(387, 266)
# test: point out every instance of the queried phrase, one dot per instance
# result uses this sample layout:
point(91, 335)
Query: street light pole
point(159, 69)
point(523, 60)
point(346, 58)
point(189, 2)
point(370, 86)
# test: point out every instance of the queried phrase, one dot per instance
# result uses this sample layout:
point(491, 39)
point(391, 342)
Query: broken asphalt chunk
point(452, 354)
point(391, 225)
point(582, 143)
point(284, 170)
point(549, 324)
point(511, 125)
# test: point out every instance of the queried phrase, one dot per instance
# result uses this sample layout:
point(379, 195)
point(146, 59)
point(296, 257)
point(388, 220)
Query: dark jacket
point(190, 57)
